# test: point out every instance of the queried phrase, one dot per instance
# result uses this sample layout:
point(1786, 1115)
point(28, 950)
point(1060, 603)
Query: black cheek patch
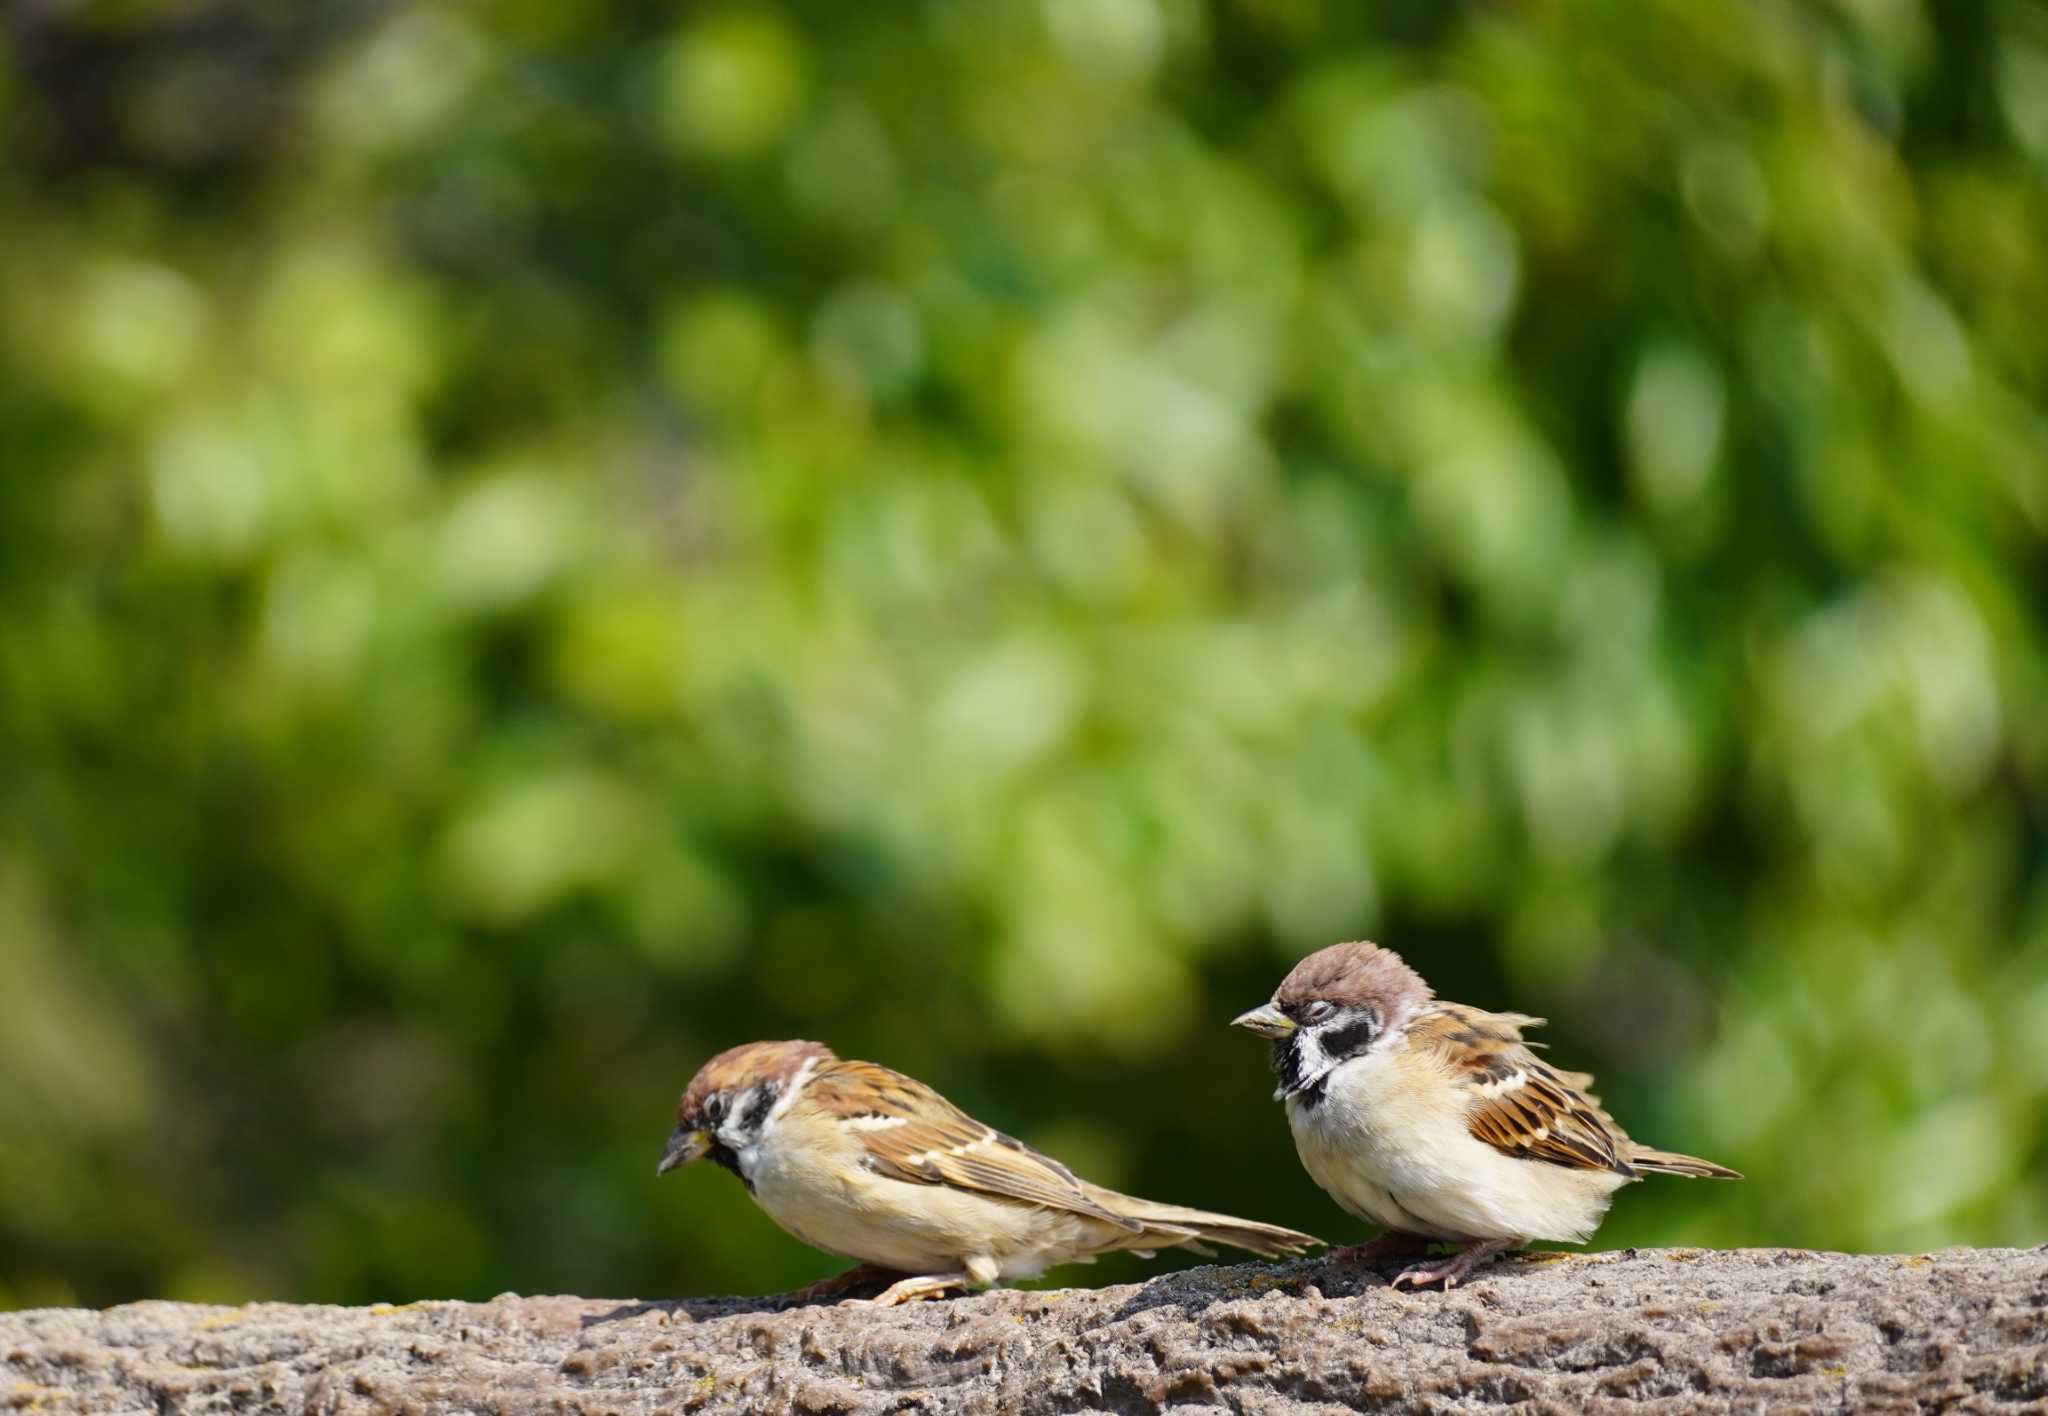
point(758, 1106)
point(1350, 1040)
point(1290, 1060)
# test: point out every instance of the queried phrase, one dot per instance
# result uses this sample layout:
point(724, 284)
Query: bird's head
point(727, 1104)
point(1337, 1004)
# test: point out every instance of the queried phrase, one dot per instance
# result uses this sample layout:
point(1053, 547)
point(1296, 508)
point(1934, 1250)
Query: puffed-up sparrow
point(1435, 1120)
point(861, 1161)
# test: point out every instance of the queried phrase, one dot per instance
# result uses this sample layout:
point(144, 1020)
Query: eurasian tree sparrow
point(858, 1160)
point(1435, 1121)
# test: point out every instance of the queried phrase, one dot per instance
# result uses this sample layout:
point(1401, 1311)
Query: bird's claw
point(911, 1290)
point(1451, 1271)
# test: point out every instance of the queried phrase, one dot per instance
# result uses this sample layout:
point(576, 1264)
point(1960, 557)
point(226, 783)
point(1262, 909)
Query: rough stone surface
point(1671, 1329)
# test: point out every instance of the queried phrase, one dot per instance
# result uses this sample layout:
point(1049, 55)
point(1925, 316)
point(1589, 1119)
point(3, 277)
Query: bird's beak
point(1265, 1020)
point(683, 1147)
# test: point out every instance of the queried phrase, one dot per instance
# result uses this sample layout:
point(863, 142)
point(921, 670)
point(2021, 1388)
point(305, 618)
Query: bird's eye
point(1318, 1011)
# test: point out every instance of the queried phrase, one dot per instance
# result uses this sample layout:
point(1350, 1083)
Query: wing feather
point(936, 1143)
point(1519, 1104)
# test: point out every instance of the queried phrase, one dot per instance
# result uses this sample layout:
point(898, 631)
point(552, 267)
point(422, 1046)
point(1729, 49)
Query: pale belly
point(1407, 1162)
point(913, 1228)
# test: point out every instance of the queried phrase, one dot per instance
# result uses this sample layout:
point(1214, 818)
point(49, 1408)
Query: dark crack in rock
point(1687, 1330)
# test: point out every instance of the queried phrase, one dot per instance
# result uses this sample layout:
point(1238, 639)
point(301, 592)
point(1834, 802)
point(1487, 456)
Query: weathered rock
point(1676, 1329)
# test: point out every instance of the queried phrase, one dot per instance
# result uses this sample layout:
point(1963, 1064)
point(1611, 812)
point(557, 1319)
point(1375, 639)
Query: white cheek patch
point(743, 1118)
point(754, 1114)
point(1308, 1064)
point(747, 1128)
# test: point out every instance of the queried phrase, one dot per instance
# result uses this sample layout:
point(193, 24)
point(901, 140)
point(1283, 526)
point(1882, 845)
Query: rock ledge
point(1678, 1329)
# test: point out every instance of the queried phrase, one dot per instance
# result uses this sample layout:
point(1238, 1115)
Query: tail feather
point(1174, 1225)
point(1672, 1163)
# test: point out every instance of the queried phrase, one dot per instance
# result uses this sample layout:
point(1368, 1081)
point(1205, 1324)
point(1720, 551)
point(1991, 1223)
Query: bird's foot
point(1449, 1271)
point(1391, 1244)
point(911, 1290)
point(860, 1276)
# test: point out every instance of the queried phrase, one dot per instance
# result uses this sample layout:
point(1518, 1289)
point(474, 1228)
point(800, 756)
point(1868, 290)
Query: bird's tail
point(1170, 1225)
point(1672, 1163)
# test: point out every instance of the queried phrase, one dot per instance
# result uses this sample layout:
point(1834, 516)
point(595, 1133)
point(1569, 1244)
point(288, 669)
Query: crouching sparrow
point(1435, 1120)
point(858, 1160)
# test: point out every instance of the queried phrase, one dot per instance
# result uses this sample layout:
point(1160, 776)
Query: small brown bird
point(858, 1160)
point(1436, 1121)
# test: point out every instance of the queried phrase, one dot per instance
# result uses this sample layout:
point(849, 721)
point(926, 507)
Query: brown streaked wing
point(939, 1144)
point(1519, 1104)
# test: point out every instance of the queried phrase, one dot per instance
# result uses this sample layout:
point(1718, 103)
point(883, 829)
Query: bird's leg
point(1449, 1271)
point(910, 1290)
point(1390, 1244)
point(859, 1276)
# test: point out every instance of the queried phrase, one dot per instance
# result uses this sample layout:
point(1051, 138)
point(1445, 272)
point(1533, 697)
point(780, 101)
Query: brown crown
point(738, 1068)
point(1350, 974)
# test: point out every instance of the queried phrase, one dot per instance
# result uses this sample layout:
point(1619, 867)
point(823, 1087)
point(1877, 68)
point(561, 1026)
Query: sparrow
point(864, 1162)
point(1436, 1121)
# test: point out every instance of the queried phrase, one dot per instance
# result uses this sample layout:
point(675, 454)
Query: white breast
point(1389, 1142)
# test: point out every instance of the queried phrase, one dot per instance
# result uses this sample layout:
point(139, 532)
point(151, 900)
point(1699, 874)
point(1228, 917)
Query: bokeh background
point(539, 540)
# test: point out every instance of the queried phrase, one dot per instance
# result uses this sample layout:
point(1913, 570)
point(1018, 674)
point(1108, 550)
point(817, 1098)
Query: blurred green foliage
point(541, 540)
